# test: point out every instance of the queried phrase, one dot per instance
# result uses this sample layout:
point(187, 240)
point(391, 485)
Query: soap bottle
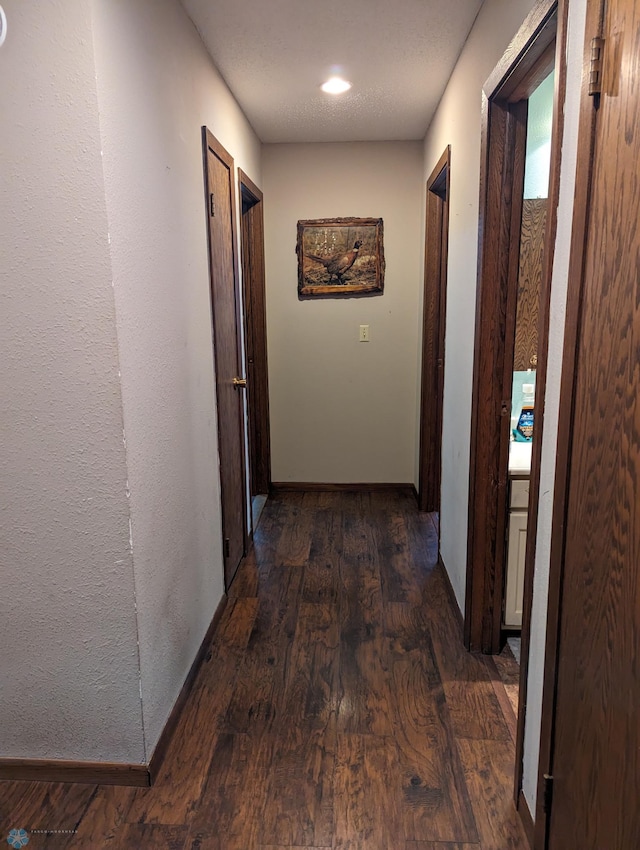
point(523, 432)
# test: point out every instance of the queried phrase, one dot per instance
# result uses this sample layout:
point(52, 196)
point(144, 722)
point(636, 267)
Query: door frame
point(575, 294)
point(525, 63)
point(433, 333)
point(255, 335)
point(528, 59)
point(209, 142)
point(541, 385)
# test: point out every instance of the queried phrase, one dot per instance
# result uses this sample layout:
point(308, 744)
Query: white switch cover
point(364, 333)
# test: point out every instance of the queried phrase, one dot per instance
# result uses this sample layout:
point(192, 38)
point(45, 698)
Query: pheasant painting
point(340, 257)
point(337, 264)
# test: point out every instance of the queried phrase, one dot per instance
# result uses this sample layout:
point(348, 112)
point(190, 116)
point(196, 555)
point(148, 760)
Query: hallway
point(337, 707)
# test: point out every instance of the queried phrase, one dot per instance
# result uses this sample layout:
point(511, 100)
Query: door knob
point(239, 382)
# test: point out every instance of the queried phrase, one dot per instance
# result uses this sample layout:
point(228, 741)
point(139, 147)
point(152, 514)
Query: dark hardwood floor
point(337, 708)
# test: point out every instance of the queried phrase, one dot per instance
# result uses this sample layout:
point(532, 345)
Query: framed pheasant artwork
point(340, 257)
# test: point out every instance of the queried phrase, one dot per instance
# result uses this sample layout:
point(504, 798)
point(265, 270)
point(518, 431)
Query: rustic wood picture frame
point(340, 257)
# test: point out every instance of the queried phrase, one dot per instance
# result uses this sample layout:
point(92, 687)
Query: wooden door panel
point(226, 335)
point(253, 279)
point(433, 333)
point(596, 758)
point(531, 270)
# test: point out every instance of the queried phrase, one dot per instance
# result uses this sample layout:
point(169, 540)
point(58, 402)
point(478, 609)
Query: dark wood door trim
point(501, 183)
point(433, 333)
point(575, 293)
point(255, 329)
point(211, 144)
point(503, 180)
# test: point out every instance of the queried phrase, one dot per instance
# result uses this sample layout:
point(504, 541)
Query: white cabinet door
point(516, 548)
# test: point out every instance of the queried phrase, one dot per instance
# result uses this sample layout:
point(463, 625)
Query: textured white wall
point(577, 13)
point(69, 673)
point(341, 410)
point(457, 122)
point(156, 87)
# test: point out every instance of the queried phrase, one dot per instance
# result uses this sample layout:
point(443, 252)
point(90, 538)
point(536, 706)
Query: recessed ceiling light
point(336, 86)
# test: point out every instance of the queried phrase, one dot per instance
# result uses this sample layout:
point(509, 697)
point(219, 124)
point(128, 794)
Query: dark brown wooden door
point(225, 307)
point(596, 755)
point(433, 334)
point(255, 325)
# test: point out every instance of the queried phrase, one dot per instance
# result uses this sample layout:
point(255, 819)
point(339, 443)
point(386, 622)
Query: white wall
point(69, 673)
point(577, 12)
point(156, 87)
point(457, 122)
point(344, 411)
point(80, 364)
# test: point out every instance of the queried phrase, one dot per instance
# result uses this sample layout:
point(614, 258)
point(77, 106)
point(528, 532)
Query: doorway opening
point(255, 335)
point(518, 201)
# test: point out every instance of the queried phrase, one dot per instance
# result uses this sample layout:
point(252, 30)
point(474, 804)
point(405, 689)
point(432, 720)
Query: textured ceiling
point(274, 55)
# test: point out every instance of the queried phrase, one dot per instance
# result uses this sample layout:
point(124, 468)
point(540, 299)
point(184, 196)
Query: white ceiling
point(274, 55)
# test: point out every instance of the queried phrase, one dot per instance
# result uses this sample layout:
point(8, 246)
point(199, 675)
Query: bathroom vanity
point(519, 472)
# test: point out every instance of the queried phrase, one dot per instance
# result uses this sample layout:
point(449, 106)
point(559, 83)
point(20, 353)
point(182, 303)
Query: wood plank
point(473, 705)
point(488, 769)
point(259, 685)
point(266, 537)
point(504, 674)
point(363, 698)
point(247, 580)
point(398, 572)
point(321, 574)
point(313, 670)
point(228, 817)
point(301, 750)
point(439, 845)
point(353, 824)
point(367, 806)
point(176, 793)
point(298, 806)
point(295, 541)
point(435, 800)
point(104, 819)
point(44, 805)
point(383, 794)
point(147, 835)
point(423, 539)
